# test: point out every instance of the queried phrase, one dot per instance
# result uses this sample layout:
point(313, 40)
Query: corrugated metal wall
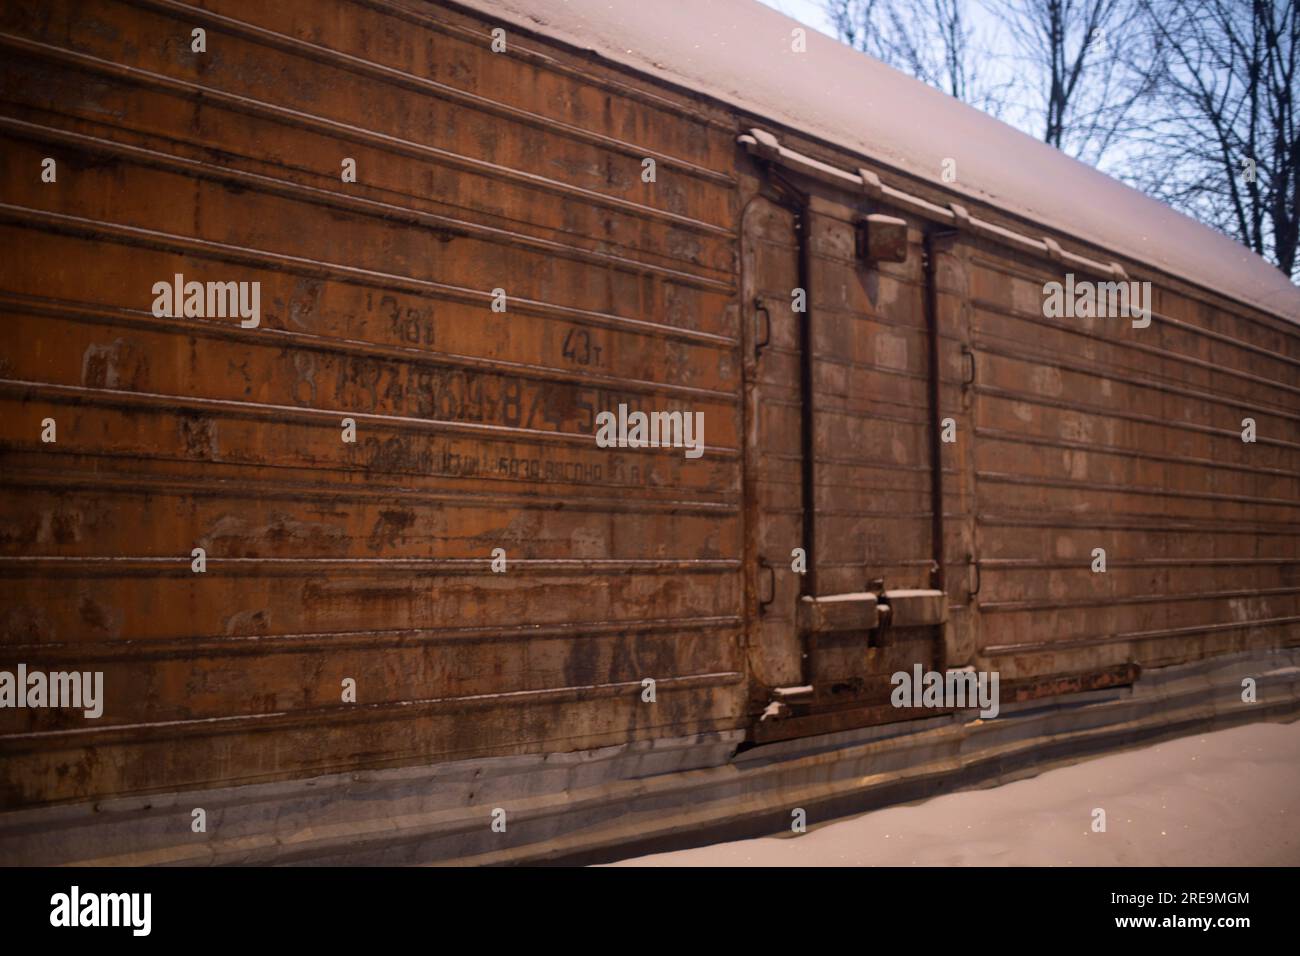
point(1091, 433)
point(329, 560)
point(371, 560)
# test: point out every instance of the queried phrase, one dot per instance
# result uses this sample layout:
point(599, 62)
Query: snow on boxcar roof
point(739, 52)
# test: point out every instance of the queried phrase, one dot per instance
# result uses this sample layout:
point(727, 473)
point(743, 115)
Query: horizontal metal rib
point(346, 131)
point(997, 650)
point(1018, 438)
point(405, 80)
point(1010, 479)
point(290, 338)
point(301, 265)
point(994, 607)
point(82, 394)
point(373, 208)
point(184, 647)
point(325, 492)
point(340, 715)
point(1103, 412)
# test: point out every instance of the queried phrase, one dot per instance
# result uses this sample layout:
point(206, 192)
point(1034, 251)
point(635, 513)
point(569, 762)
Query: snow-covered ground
point(1230, 798)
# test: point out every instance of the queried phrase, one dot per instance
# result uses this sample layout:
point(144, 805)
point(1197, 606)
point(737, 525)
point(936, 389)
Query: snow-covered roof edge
point(740, 53)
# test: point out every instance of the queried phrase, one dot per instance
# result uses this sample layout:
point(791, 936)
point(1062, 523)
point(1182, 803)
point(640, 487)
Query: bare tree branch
point(1223, 138)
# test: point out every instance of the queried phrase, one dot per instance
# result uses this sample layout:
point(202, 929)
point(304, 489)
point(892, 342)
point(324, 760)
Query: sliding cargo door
point(824, 644)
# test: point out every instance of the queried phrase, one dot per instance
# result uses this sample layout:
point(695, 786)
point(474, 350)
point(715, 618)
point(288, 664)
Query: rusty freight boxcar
point(310, 314)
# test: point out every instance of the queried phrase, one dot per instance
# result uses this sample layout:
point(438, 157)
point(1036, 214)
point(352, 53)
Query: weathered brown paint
point(370, 561)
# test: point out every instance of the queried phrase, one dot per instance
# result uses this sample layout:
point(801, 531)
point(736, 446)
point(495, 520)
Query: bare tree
point(1192, 101)
point(1065, 70)
point(933, 40)
point(1086, 69)
point(1224, 141)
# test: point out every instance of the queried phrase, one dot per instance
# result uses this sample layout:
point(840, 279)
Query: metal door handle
point(760, 344)
point(970, 378)
point(771, 577)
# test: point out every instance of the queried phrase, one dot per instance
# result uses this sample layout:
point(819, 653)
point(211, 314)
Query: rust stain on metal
point(371, 560)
